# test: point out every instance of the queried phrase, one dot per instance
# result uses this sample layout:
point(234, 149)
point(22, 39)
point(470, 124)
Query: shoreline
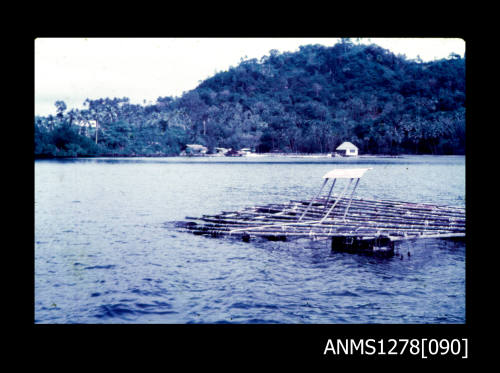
point(253, 155)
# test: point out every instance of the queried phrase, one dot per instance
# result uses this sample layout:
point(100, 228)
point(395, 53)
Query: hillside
point(308, 102)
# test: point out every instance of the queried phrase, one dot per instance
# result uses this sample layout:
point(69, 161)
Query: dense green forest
point(309, 101)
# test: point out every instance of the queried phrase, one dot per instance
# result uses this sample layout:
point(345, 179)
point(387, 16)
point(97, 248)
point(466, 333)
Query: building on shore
point(86, 123)
point(347, 149)
point(221, 151)
point(246, 151)
point(195, 149)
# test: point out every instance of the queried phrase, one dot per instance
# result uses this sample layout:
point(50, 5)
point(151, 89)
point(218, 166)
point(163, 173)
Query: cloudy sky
point(73, 69)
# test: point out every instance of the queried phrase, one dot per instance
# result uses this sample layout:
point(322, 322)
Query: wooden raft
point(350, 223)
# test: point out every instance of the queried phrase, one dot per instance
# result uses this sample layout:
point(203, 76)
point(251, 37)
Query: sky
point(73, 69)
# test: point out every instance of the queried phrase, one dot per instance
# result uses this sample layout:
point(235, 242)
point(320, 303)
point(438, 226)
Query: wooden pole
point(317, 195)
point(341, 195)
point(350, 200)
point(329, 194)
point(378, 212)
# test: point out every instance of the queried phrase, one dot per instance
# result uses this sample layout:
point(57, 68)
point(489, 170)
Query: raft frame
point(373, 225)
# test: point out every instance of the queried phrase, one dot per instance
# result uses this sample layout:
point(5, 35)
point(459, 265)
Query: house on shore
point(221, 151)
point(86, 123)
point(347, 149)
point(246, 151)
point(195, 149)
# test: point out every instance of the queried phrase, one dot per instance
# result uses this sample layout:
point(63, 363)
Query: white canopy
point(346, 173)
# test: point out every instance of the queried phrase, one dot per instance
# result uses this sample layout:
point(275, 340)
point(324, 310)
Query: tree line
point(308, 101)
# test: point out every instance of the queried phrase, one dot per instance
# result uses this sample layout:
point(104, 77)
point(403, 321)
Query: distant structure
point(246, 151)
point(196, 149)
point(233, 153)
point(221, 151)
point(87, 123)
point(347, 149)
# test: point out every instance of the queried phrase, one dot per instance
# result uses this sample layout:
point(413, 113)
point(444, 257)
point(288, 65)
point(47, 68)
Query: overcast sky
point(73, 69)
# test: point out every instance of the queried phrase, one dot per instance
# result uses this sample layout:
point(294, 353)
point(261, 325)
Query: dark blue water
point(105, 253)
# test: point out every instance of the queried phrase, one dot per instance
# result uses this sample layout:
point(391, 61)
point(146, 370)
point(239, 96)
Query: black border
point(247, 343)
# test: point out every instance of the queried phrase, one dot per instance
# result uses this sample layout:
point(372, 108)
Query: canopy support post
point(329, 194)
point(350, 200)
point(310, 203)
point(337, 200)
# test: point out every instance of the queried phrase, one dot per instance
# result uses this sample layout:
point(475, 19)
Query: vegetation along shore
point(305, 102)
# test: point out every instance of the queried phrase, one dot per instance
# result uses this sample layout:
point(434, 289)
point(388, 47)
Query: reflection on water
point(103, 253)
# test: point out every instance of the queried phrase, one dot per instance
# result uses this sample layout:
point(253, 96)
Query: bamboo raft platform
point(352, 224)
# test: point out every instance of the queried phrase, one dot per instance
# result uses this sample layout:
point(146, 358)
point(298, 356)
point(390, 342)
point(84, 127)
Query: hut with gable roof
point(347, 149)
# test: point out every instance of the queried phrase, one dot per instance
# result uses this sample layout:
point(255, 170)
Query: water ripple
point(109, 266)
point(102, 258)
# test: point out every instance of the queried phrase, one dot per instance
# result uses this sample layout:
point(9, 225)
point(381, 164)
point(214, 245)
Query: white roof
point(346, 145)
point(346, 173)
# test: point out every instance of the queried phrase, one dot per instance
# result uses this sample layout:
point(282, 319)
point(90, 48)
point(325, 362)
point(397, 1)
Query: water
point(105, 253)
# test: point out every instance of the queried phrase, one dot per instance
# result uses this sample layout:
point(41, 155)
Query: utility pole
point(96, 130)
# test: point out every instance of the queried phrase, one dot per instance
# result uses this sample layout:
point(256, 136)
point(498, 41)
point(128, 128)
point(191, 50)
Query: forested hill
point(309, 101)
